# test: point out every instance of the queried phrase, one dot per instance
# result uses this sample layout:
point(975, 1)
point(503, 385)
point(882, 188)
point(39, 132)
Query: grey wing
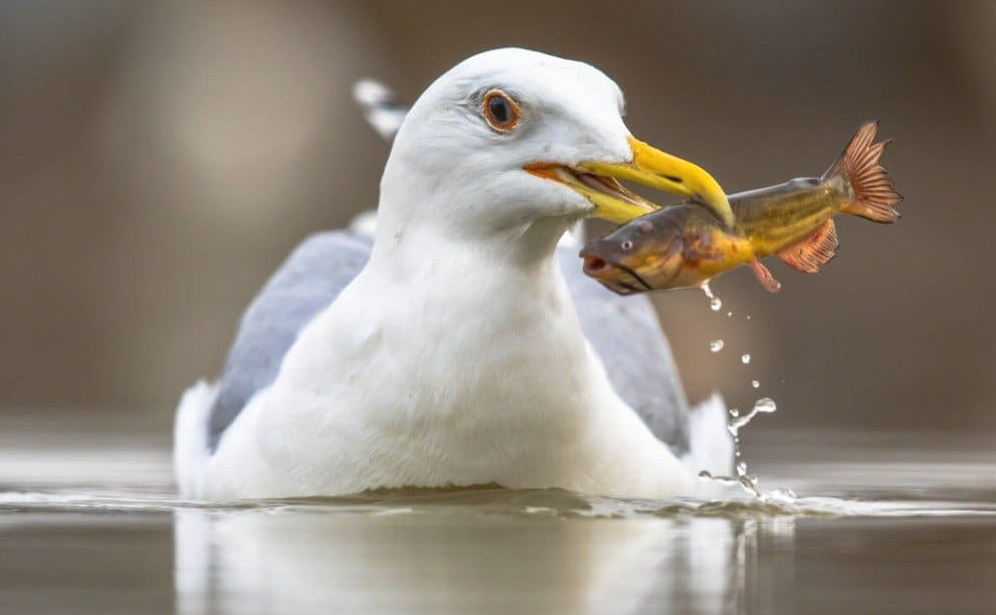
point(624, 332)
point(308, 281)
point(626, 335)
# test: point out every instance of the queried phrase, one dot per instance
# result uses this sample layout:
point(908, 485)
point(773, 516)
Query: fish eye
point(500, 111)
point(626, 245)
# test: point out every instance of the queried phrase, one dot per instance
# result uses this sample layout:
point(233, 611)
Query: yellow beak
point(597, 182)
point(656, 169)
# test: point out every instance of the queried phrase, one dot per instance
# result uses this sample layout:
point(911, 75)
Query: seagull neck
point(410, 246)
point(507, 282)
point(499, 313)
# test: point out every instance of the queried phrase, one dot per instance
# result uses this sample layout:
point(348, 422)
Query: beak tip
point(719, 205)
point(664, 171)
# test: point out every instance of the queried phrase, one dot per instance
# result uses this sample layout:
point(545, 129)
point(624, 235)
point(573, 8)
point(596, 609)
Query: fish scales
point(774, 219)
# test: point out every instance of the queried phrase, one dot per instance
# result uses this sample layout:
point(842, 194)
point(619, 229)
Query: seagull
point(458, 343)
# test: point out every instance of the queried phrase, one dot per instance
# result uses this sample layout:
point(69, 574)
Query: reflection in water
point(461, 560)
point(88, 530)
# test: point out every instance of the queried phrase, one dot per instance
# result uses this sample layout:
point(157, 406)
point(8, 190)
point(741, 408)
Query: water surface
point(904, 525)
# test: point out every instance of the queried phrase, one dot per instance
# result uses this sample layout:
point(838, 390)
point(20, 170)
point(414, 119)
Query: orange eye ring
point(500, 111)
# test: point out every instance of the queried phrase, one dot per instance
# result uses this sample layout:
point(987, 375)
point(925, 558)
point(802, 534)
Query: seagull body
point(452, 351)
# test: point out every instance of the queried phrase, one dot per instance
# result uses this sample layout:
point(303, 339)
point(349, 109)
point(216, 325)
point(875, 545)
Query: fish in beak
point(649, 166)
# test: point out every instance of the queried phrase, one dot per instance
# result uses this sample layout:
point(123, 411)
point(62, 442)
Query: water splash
point(715, 303)
point(763, 405)
point(747, 482)
point(737, 421)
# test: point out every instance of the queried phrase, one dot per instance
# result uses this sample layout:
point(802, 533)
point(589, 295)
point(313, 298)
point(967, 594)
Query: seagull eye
point(500, 111)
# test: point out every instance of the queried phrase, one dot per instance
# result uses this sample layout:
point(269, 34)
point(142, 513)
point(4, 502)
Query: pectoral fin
point(815, 250)
point(764, 276)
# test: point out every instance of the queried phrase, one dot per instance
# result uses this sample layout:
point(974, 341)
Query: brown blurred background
point(158, 161)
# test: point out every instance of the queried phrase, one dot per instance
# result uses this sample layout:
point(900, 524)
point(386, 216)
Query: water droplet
point(729, 314)
point(765, 404)
point(755, 383)
point(748, 317)
point(741, 468)
point(749, 483)
point(721, 480)
point(715, 345)
point(734, 412)
point(745, 358)
point(715, 303)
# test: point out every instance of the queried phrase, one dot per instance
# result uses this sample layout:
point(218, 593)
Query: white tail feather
point(190, 442)
point(381, 107)
point(710, 444)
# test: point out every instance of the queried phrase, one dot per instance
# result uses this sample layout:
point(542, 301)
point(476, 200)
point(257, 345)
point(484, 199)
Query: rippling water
point(896, 528)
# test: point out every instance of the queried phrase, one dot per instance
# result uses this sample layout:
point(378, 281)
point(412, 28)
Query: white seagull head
point(510, 138)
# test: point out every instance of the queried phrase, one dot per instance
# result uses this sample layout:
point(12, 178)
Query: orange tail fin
point(873, 193)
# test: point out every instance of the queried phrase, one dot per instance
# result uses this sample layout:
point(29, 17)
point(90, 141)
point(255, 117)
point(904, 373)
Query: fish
point(686, 245)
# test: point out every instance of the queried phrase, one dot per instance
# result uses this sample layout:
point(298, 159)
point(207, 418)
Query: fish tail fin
point(872, 193)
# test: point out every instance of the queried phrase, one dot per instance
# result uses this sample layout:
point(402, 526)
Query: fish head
point(645, 254)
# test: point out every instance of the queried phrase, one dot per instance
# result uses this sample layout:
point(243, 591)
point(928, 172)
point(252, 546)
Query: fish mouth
point(617, 277)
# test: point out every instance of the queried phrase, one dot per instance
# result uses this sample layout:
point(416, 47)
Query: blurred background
point(159, 160)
